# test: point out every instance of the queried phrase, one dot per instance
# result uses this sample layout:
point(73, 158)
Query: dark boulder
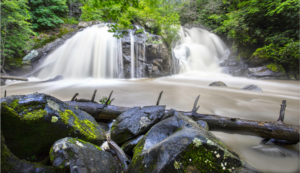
point(179, 144)
point(79, 156)
point(134, 122)
point(32, 123)
point(11, 164)
point(252, 88)
point(218, 83)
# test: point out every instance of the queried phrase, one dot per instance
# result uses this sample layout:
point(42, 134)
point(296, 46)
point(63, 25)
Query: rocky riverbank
point(43, 134)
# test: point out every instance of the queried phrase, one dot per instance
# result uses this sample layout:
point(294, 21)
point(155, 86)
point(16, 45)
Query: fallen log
point(14, 78)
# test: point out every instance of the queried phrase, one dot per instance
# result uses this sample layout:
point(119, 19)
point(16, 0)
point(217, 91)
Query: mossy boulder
point(11, 164)
point(128, 146)
point(32, 123)
point(134, 122)
point(79, 156)
point(179, 144)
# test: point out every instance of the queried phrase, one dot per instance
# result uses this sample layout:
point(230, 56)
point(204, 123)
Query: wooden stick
point(282, 111)
point(92, 100)
point(14, 78)
point(106, 103)
point(159, 97)
point(4, 93)
point(75, 95)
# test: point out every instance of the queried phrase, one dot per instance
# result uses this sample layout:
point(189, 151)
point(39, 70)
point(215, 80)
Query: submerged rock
point(57, 78)
point(252, 88)
point(79, 156)
point(10, 163)
point(218, 83)
point(179, 144)
point(264, 72)
point(134, 122)
point(270, 150)
point(32, 123)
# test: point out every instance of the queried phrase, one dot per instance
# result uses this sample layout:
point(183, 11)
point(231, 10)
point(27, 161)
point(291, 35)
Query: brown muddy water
point(180, 92)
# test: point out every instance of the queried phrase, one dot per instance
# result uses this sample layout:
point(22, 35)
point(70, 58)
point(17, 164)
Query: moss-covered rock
point(32, 123)
point(77, 155)
point(179, 144)
point(11, 164)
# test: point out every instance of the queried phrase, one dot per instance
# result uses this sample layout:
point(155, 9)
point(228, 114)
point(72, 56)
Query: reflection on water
point(180, 92)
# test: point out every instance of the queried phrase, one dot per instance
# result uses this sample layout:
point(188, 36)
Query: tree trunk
point(13, 78)
point(276, 130)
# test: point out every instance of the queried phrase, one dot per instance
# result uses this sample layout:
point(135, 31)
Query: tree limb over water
point(272, 129)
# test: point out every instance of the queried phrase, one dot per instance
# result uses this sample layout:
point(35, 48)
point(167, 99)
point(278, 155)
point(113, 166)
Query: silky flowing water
point(180, 92)
point(92, 55)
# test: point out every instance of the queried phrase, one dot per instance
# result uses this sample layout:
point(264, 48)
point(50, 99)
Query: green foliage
point(151, 40)
point(104, 99)
point(71, 21)
point(275, 67)
point(46, 14)
point(161, 13)
point(15, 32)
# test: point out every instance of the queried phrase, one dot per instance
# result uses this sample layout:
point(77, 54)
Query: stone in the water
point(103, 126)
point(82, 157)
point(218, 83)
point(252, 88)
point(178, 144)
point(129, 145)
point(134, 122)
point(57, 78)
point(32, 123)
point(270, 150)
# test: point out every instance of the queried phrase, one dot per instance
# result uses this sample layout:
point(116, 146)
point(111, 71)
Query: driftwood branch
point(106, 103)
point(93, 98)
point(282, 111)
point(275, 130)
point(5, 93)
point(75, 95)
point(14, 78)
point(159, 97)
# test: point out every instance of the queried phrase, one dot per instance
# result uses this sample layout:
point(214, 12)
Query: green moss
point(275, 67)
point(14, 104)
point(35, 115)
point(205, 158)
point(86, 127)
point(51, 154)
point(48, 39)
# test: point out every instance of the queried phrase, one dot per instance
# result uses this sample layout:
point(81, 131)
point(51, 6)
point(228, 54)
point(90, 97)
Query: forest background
point(264, 29)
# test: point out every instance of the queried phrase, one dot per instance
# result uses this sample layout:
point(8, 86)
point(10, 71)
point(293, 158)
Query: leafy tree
point(15, 31)
point(47, 13)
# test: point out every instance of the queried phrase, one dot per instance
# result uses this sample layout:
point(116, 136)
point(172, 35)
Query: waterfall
point(93, 52)
point(132, 53)
point(199, 50)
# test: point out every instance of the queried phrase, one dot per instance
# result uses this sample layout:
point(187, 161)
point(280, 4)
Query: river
point(180, 92)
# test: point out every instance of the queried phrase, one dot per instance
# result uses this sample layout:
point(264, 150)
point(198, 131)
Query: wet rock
point(203, 124)
point(177, 144)
point(234, 67)
point(84, 24)
point(257, 60)
point(129, 145)
point(103, 126)
point(270, 150)
point(10, 163)
point(32, 123)
point(218, 83)
point(57, 78)
point(263, 72)
point(81, 157)
point(31, 55)
point(134, 122)
point(252, 88)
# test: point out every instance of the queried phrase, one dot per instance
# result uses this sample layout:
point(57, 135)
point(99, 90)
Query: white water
point(94, 52)
point(199, 50)
point(132, 53)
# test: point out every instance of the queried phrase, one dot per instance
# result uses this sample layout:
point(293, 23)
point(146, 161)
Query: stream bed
point(180, 92)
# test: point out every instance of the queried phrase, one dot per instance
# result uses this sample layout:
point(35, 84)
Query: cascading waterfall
point(199, 50)
point(132, 53)
point(93, 52)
